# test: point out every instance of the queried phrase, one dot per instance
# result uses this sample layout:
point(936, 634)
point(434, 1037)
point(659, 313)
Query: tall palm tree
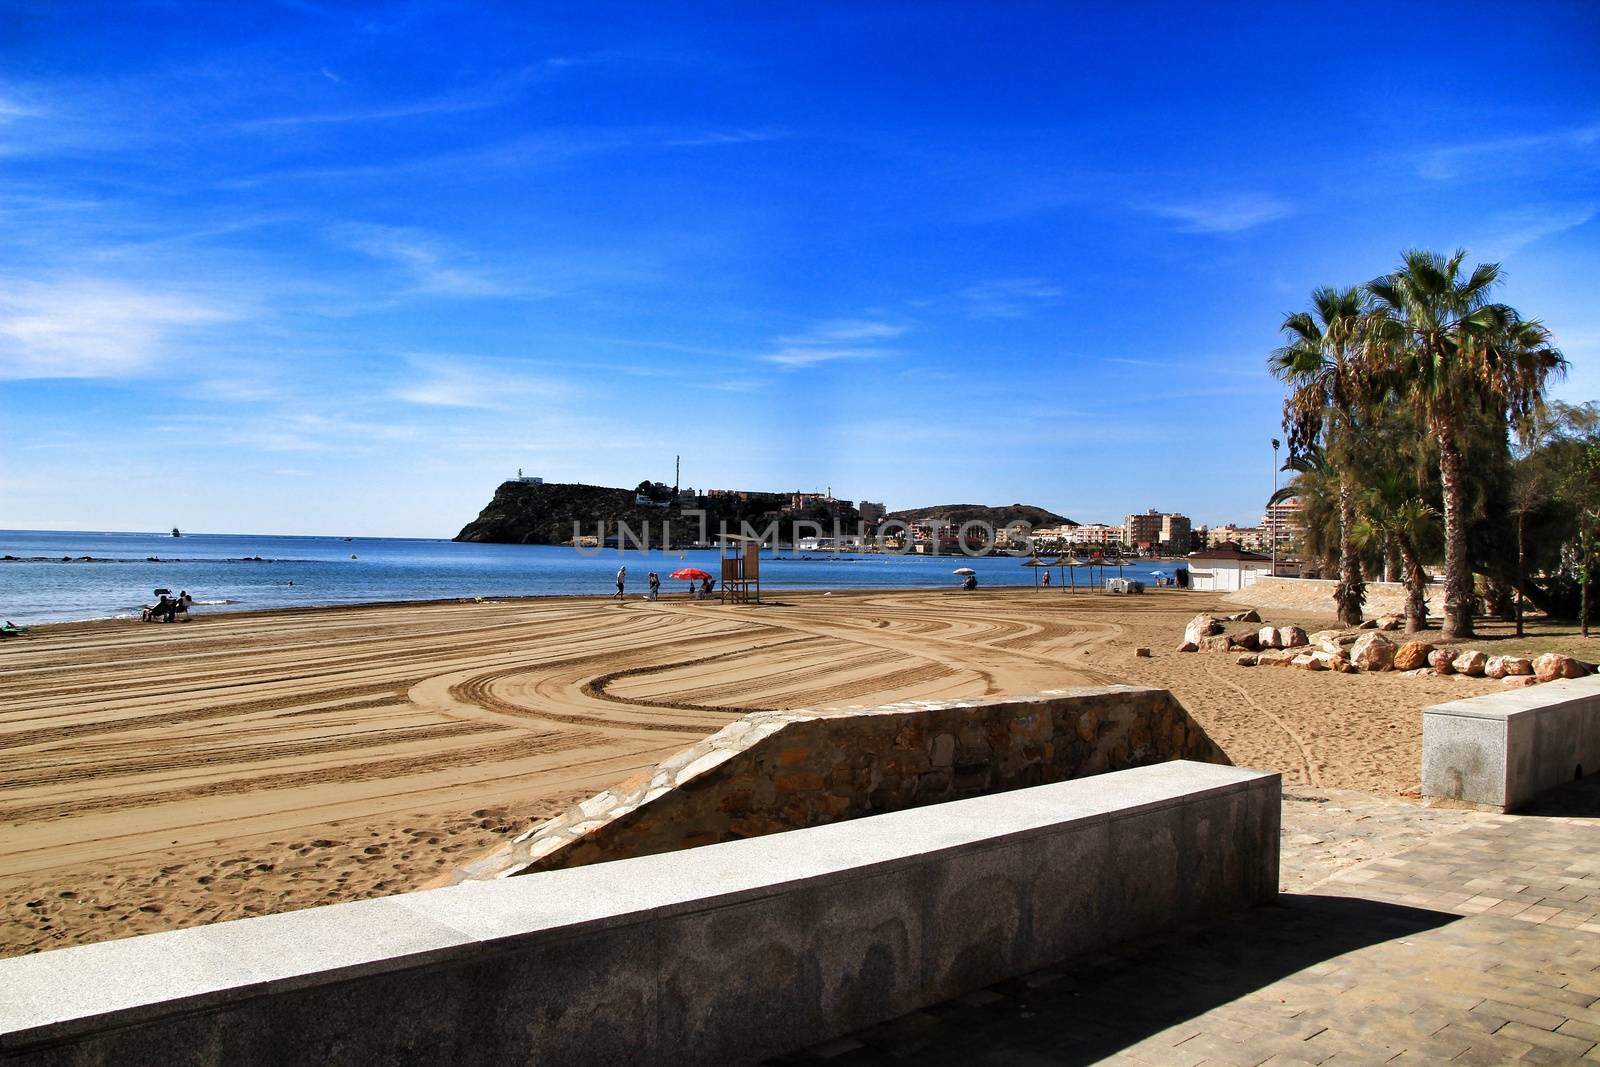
point(1322, 363)
point(1392, 514)
point(1452, 350)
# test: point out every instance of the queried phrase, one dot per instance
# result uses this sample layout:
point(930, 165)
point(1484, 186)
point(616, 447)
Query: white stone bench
point(733, 951)
point(1497, 752)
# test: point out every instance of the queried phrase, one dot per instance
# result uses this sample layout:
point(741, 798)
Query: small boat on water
point(175, 532)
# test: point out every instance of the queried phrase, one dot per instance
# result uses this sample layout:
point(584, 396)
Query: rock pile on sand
point(1368, 652)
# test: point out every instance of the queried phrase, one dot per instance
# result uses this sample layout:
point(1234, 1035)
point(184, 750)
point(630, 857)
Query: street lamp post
point(1272, 519)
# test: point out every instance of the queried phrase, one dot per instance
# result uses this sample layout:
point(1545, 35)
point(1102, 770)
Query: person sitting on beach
point(705, 588)
point(166, 609)
point(971, 582)
point(184, 601)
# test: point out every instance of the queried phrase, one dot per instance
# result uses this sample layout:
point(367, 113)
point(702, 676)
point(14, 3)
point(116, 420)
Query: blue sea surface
point(51, 582)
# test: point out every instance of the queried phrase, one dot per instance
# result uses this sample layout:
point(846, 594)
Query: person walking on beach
point(1047, 579)
point(655, 584)
point(622, 577)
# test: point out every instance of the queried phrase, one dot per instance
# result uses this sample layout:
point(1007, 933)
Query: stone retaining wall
point(727, 954)
point(1315, 596)
point(774, 771)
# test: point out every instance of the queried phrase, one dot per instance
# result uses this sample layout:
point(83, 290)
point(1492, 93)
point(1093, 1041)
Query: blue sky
point(323, 268)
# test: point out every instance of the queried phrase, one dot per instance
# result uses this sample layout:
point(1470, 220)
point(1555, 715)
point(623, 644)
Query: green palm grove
point(1418, 429)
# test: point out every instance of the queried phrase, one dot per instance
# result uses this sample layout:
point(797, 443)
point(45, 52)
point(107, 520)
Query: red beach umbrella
point(689, 574)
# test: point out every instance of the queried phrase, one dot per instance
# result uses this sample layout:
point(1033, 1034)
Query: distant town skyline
point(305, 268)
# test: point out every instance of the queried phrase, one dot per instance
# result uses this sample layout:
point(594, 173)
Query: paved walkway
point(1405, 936)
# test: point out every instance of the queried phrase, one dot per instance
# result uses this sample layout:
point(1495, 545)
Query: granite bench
point(1496, 752)
point(728, 952)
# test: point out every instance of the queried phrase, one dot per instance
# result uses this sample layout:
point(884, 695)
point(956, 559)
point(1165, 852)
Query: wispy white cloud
point(1193, 366)
point(12, 109)
point(248, 390)
point(1231, 214)
point(1008, 298)
point(846, 330)
point(491, 385)
point(1447, 162)
point(796, 356)
point(712, 138)
point(476, 98)
point(1510, 232)
point(430, 267)
point(835, 340)
point(293, 431)
point(94, 328)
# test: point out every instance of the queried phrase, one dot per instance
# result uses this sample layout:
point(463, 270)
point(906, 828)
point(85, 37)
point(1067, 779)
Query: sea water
point(51, 580)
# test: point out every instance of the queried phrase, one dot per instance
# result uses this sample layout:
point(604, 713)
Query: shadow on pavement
point(1579, 799)
point(1094, 1006)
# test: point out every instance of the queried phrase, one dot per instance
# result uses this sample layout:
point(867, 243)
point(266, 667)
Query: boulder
point(1442, 661)
point(1390, 622)
point(1273, 658)
point(1189, 646)
point(1373, 652)
point(1267, 637)
point(1248, 615)
point(1292, 637)
point(1141, 652)
point(1215, 643)
point(1248, 641)
point(1368, 624)
point(1553, 665)
point(1494, 667)
point(1327, 640)
point(1203, 625)
point(1249, 659)
point(1306, 661)
point(1470, 663)
point(1516, 681)
point(1518, 665)
point(1334, 661)
point(1412, 655)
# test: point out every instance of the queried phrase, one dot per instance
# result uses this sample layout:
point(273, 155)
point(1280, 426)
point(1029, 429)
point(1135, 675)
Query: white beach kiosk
point(1227, 568)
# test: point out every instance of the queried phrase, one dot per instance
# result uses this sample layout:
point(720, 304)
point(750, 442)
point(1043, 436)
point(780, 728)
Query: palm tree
point(1393, 515)
point(1329, 389)
point(1452, 351)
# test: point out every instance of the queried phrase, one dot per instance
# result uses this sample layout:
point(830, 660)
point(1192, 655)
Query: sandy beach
point(153, 777)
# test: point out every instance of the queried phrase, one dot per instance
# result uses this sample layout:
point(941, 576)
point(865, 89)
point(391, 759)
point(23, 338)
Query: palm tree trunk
point(1416, 590)
point(1391, 561)
point(1522, 576)
point(1457, 564)
point(1351, 591)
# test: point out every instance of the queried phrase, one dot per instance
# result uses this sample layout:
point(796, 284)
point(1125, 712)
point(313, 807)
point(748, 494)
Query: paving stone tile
point(1567, 1044)
point(1219, 1049)
point(1579, 1028)
point(1407, 935)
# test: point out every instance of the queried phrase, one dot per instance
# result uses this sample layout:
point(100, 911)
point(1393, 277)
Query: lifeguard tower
point(741, 568)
